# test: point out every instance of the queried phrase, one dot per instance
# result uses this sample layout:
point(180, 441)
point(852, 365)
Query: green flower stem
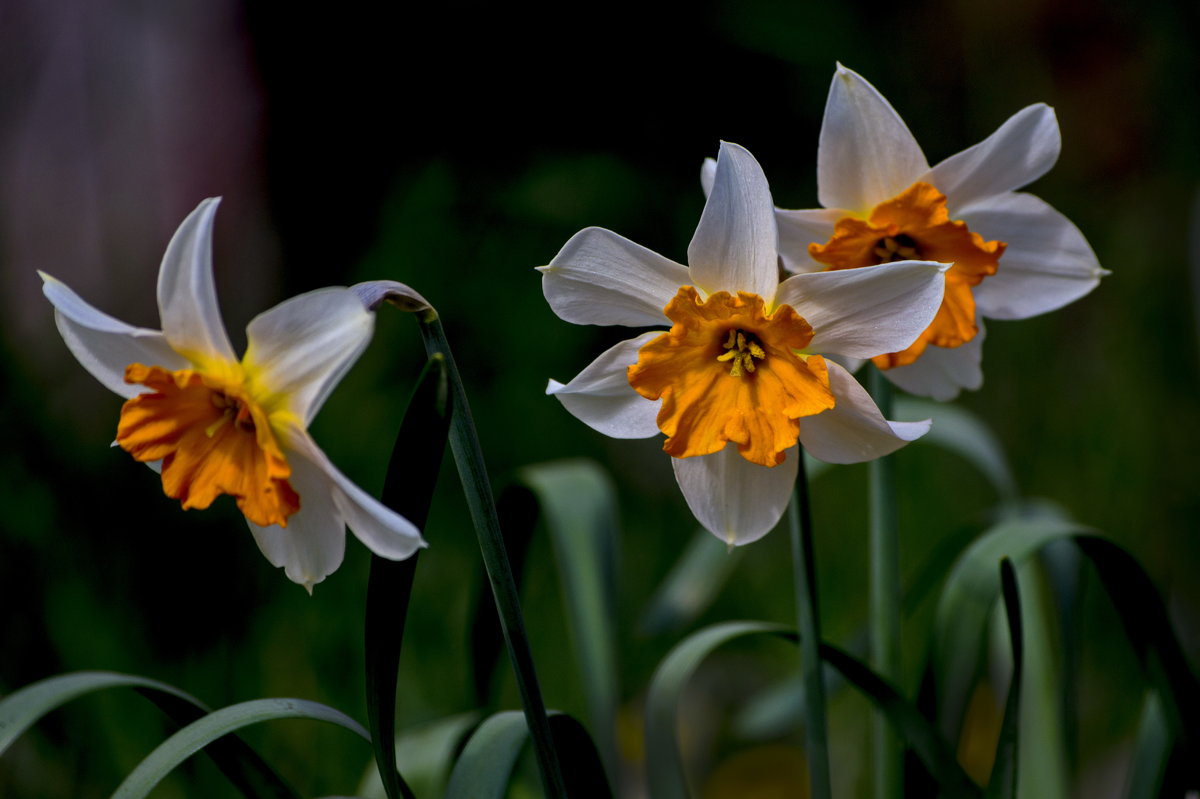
point(464, 444)
point(885, 599)
point(815, 729)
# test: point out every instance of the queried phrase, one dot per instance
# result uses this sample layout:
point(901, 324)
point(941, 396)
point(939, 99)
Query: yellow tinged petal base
point(729, 371)
point(212, 439)
point(916, 225)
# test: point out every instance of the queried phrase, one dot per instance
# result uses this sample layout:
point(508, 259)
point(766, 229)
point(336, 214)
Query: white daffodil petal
point(854, 430)
point(736, 500)
point(867, 312)
point(708, 174)
point(313, 544)
point(381, 529)
point(941, 373)
point(1047, 264)
point(734, 247)
point(1019, 152)
point(298, 351)
point(187, 295)
point(600, 396)
point(104, 345)
point(600, 278)
point(798, 229)
point(866, 153)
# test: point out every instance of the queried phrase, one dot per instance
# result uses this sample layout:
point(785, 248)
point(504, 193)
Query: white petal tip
point(553, 386)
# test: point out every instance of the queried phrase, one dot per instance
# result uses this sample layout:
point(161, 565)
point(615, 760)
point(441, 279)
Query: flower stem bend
point(468, 457)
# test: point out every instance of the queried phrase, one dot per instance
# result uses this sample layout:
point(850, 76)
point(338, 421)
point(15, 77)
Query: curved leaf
point(972, 587)
point(580, 508)
point(22, 709)
point(408, 490)
point(199, 734)
point(960, 624)
point(665, 768)
point(485, 767)
point(240, 764)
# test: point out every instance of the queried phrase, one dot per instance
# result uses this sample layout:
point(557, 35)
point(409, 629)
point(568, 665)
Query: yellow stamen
point(185, 421)
point(702, 409)
point(916, 224)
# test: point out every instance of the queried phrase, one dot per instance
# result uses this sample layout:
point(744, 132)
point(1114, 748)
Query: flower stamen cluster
point(741, 348)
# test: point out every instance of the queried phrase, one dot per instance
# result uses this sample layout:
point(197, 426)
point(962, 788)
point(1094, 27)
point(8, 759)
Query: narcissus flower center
point(212, 439)
point(728, 370)
point(916, 224)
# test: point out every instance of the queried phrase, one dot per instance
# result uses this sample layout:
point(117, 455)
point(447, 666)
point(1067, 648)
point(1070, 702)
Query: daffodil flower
point(1013, 255)
point(214, 424)
point(738, 381)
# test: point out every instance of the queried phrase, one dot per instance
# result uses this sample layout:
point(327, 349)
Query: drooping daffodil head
point(739, 380)
point(212, 423)
point(1012, 256)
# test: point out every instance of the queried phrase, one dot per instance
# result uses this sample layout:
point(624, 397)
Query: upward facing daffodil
point(1013, 255)
point(216, 424)
point(738, 381)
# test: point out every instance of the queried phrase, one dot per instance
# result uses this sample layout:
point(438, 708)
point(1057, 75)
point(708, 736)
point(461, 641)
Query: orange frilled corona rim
point(729, 371)
point(916, 225)
point(212, 439)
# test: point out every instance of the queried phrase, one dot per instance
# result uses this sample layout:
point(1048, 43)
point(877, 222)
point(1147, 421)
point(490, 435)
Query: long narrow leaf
point(580, 509)
point(199, 734)
point(1044, 765)
point(965, 605)
point(1152, 748)
point(477, 489)
point(408, 490)
point(972, 587)
point(1003, 782)
point(484, 769)
point(663, 762)
point(240, 764)
point(664, 767)
point(913, 728)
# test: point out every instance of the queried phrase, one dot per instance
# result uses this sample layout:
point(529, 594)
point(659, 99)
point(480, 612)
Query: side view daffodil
point(739, 380)
point(1013, 255)
point(214, 424)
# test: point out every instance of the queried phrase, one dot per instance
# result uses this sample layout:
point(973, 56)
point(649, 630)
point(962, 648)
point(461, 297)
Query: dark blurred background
point(455, 148)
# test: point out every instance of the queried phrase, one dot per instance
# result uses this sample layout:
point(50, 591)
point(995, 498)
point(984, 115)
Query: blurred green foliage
point(456, 149)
